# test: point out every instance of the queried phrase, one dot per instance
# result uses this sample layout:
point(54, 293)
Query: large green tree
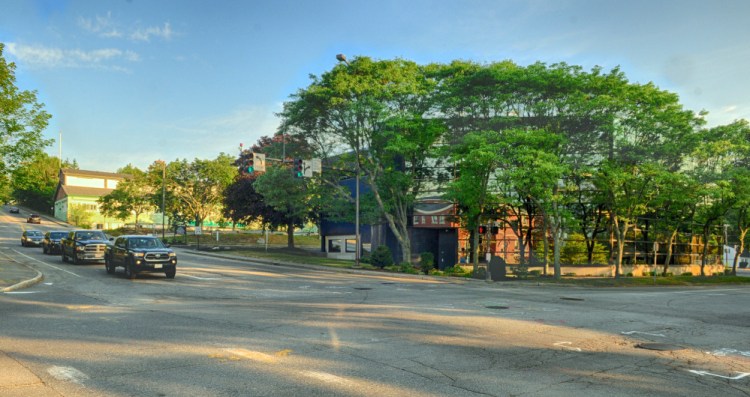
point(34, 184)
point(132, 196)
point(22, 121)
point(197, 187)
point(380, 114)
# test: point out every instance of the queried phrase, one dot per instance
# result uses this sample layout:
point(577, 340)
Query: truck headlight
point(138, 254)
point(80, 248)
point(172, 254)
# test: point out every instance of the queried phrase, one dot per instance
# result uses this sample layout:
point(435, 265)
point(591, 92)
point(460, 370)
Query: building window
point(334, 245)
point(351, 245)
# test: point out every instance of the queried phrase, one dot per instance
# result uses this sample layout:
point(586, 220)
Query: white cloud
point(105, 26)
point(102, 26)
point(145, 34)
point(47, 57)
point(207, 137)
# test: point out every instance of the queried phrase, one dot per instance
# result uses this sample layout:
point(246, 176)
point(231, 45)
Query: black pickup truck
point(84, 246)
point(140, 254)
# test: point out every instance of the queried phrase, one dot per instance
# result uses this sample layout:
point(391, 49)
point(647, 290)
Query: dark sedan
point(14, 210)
point(51, 242)
point(31, 238)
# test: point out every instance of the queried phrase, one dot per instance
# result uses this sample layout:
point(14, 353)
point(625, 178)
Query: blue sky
point(133, 81)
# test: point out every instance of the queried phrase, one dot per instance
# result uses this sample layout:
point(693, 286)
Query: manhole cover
point(362, 288)
point(498, 307)
point(565, 298)
point(665, 347)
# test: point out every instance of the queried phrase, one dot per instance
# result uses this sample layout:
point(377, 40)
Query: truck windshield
point(93, 235)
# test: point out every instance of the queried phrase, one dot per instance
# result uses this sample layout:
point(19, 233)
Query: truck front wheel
point(130, 270)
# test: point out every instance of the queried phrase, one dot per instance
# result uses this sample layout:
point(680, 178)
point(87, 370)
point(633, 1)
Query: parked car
point(34, 218)
point(84, 246)
point(140, 254)
point(51, 242)
point(31, 238)
point(14, 210)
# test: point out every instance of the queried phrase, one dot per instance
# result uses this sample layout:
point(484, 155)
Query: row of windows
point(337, 245)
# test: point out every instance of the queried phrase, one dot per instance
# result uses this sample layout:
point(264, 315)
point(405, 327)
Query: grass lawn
point(318, 258)
point(642, 281)
point(253, 245)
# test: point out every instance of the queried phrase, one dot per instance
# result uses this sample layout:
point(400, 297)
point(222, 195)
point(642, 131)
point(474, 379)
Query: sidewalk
point(15, 276)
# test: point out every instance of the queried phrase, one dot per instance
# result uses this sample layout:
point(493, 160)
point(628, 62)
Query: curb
point(27, 283)
point(317, 267)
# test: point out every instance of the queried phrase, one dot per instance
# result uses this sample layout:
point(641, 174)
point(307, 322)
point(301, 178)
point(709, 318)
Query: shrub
point(381, 257)
point(629, 274)
point(426, 261)
point(687, 274)
point(535, 273)
point(521, 271)
point(407, 267)
point(454, 270)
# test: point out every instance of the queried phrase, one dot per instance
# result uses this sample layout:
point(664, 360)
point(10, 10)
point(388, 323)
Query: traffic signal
point(298, 168)
point(482, 229)
point(250, 164)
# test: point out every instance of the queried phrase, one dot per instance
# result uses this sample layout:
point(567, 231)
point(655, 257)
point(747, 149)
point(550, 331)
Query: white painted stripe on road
point(45, 263)
point(703, 373)
point(198, 278)
point(67, 374)
point(325, 377)
point(639, 332)
point(566, 345)
point(21, 292)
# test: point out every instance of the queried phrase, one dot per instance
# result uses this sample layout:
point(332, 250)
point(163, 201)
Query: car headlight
point(172, 254)
point(138, 254)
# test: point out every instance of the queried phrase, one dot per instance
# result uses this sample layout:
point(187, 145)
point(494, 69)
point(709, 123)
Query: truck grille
point(95, 248)
point(157, 256)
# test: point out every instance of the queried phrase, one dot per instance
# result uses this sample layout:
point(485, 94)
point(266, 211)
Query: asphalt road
point(232, 328)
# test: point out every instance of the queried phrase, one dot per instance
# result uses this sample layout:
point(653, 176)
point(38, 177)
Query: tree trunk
point(475, 249)
point(546, 227)
point(743, 233)
point(620, 232)
point(704, 259)
point(667, 260)
point(290, 235)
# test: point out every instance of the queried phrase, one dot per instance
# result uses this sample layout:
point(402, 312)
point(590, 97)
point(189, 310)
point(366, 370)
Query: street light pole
point(342, 58)
point(163, 197)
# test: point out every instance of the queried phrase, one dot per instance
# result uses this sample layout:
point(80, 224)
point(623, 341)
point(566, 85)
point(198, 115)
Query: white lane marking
point(253, 355)
point(46, 264)
point(21, 292)
point(47, 283)
point(725, 352)
point(68, 374)
point(703, 373)
point(564, 345)
point(324, 376)
point(198, 278)
point(639, 332)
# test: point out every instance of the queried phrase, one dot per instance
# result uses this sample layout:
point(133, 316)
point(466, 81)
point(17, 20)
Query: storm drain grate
point(665, 347)
point(498, 307)
point(362, 288)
